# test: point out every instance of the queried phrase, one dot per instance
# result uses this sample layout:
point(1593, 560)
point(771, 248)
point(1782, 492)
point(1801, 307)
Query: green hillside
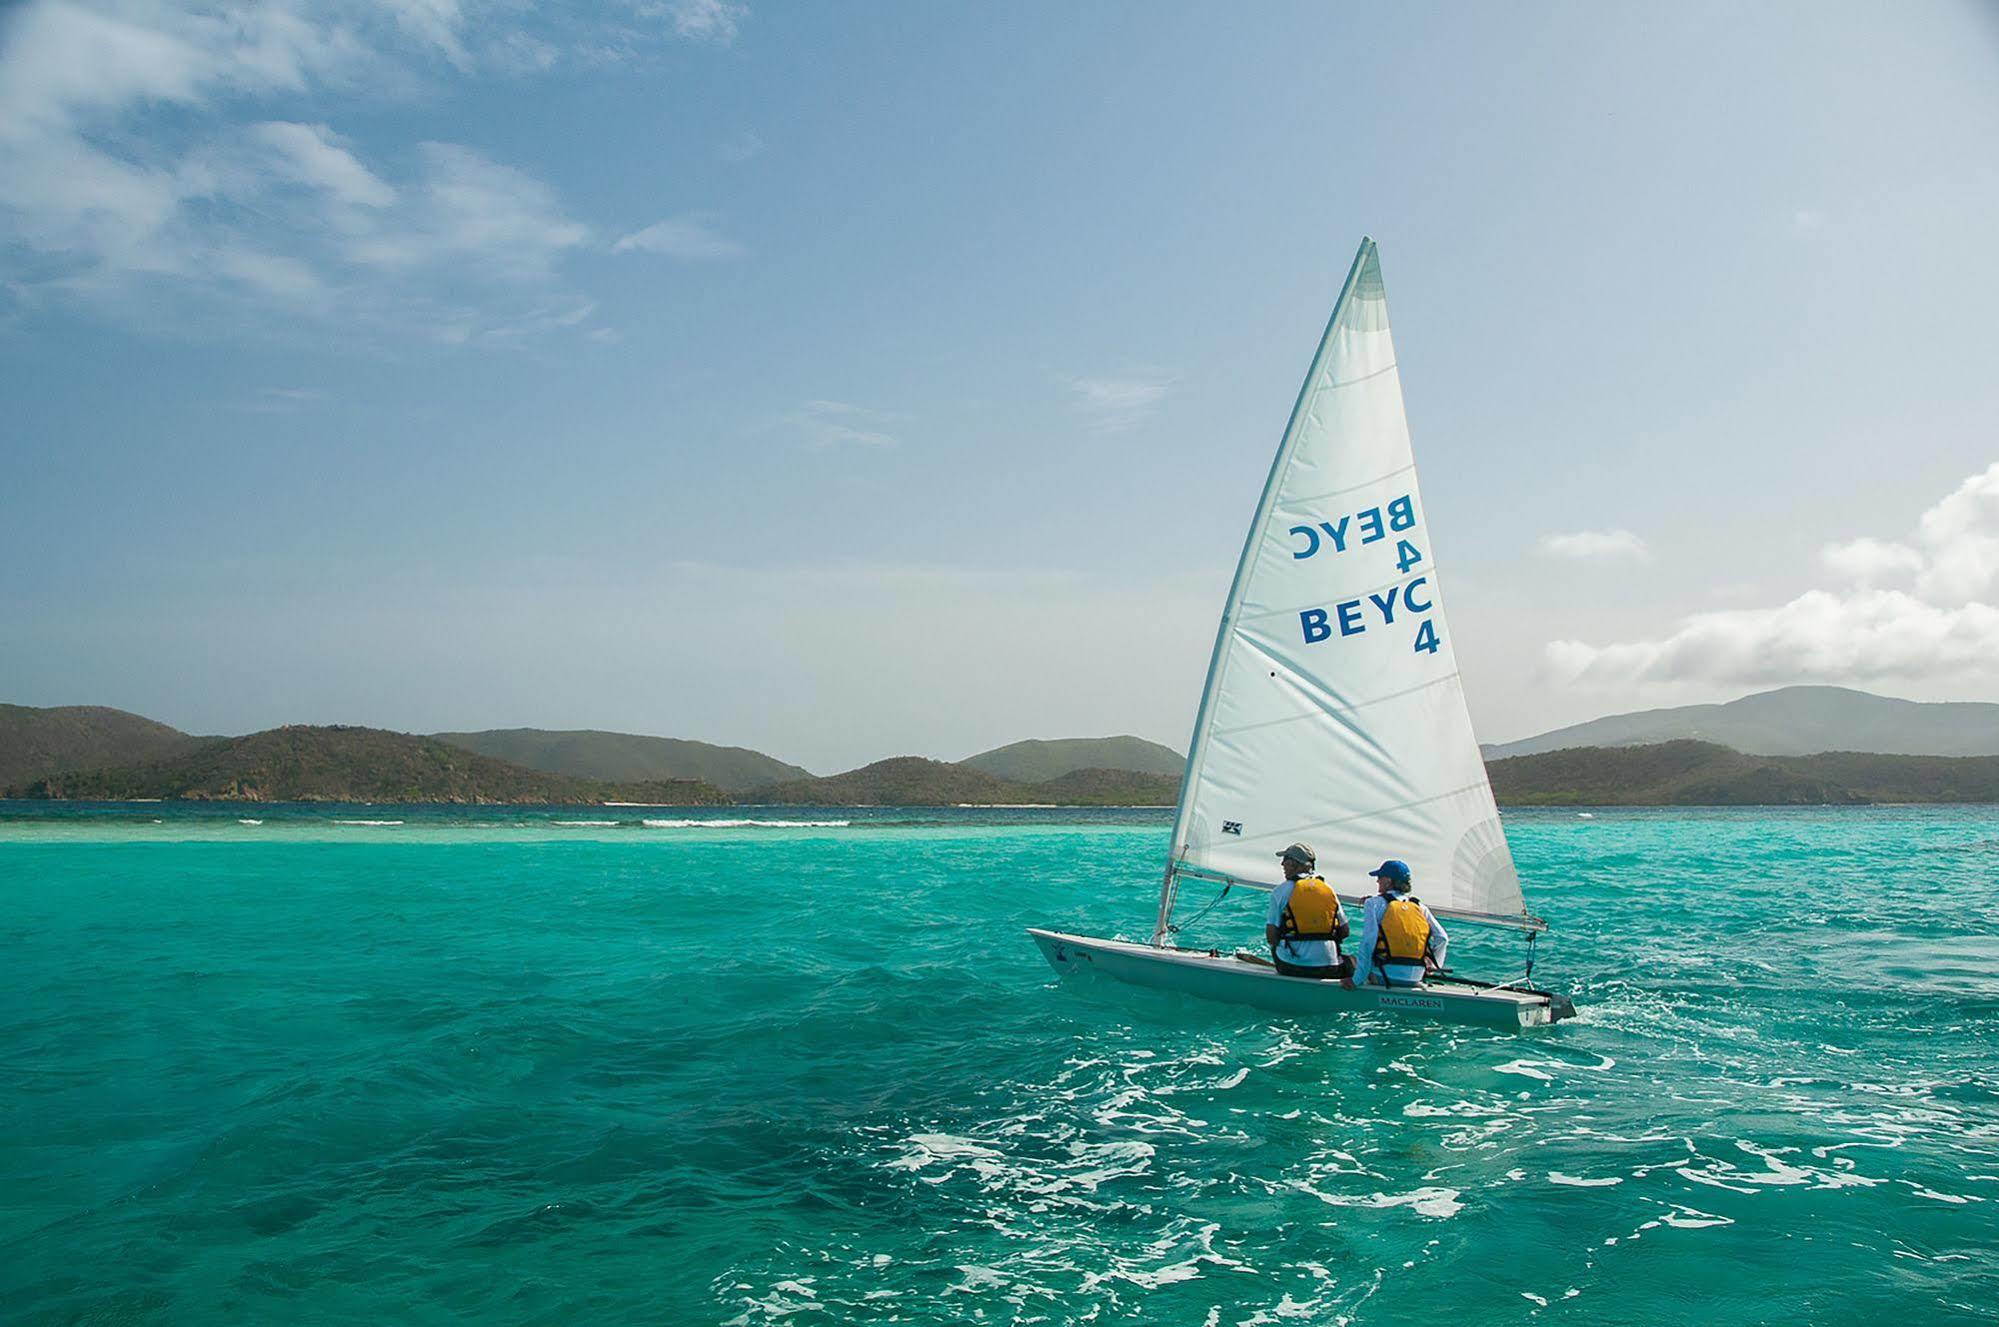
point(1689, 773)
point(37, 742)
point(914, 781)
point(308, 764)
point(1792, 721)
point(623, 757)
point(1106, 787)
point(1907, 778)
point(1039, 761)
point(898, 781)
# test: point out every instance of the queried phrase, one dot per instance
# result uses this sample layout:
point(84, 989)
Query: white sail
point(1333, 712)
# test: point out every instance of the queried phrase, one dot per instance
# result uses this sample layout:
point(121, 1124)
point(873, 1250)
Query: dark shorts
point(1344, 969)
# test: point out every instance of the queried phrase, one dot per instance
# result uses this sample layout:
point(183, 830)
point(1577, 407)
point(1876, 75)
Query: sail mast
point(1252, 545)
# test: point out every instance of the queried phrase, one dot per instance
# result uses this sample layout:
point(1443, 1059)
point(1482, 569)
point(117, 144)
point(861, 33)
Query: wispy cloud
point(281, 400)
point(1115, 404)
point(470, 209)
point(841, 424)
point(692, 236)
point(1910, 611)
point(314, 156)
point(740, 147)
point(703, 20)
point(1597, 546)
point(228, 206)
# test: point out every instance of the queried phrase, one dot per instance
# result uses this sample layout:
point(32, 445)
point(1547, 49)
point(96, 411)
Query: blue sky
point(855, 380)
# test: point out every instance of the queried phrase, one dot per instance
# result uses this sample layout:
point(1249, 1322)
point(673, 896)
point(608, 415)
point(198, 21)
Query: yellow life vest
point(1405, 932)
point(1313, 912)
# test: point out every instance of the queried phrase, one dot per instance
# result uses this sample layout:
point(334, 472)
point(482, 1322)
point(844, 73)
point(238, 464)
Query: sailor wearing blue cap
point(1401, 941)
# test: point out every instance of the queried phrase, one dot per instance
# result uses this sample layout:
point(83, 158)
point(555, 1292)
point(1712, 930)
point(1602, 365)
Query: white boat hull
point(1212, 975)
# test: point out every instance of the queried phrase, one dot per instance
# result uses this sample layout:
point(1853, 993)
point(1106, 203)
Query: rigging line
point(1176, 929)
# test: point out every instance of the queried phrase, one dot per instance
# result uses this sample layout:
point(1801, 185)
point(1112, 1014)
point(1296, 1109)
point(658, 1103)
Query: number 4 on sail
point(1333, 712)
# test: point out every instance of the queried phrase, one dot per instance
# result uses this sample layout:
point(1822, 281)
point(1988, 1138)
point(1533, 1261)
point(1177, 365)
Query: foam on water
point(458, 1073)
point(720, 823)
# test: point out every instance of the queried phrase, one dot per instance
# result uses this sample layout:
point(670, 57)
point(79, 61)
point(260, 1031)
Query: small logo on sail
point(1232, 827)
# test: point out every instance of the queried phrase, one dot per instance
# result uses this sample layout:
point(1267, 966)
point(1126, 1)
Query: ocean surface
point(430, 1065)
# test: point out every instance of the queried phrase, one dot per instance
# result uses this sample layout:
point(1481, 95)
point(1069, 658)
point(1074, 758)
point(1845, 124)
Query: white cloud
point(693, 236)
point(234, 214)
point(1867, 560)
point(1959, 538)
point(1115, 404)
point(435, 23)
point(839, 424)
point(1936, 629)
point(472, 209)
point(703, 20)
point(519, 53)
point(280, 400)
point(313, 155)
point(1597, 546)
point(272, 273)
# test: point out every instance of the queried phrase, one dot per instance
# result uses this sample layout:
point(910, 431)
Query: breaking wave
point(746, 824)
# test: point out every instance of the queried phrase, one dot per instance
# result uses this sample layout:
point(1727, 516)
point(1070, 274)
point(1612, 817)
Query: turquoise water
point(489, 1068)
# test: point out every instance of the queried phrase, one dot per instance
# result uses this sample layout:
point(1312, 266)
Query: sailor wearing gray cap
point(1304, 926)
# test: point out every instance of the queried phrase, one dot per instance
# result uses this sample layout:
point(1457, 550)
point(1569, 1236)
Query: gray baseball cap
point(1300, 853)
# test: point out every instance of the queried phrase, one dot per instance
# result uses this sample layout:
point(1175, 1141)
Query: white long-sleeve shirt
point(1395, 974)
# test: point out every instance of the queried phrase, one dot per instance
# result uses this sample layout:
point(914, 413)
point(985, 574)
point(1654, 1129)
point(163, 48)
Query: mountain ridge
point(1690, 773)
point(595, 753)
point(1789, 721)
point(307, 763)
point(39, 741)
point(1036, 760)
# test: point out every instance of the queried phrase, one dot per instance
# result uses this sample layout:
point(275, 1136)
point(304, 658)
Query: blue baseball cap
point(1395, 870)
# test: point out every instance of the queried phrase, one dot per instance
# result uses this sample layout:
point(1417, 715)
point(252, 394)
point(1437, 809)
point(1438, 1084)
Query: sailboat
point(1333, 712)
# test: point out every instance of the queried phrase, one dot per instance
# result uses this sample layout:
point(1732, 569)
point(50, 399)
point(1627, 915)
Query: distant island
point(1791, 721)
point(623, 757)
point(73, 753)
point(338, 764)
point(95, 753)
point(1687, 773)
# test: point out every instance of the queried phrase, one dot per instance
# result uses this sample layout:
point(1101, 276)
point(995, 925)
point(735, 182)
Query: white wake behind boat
point(1333, 712)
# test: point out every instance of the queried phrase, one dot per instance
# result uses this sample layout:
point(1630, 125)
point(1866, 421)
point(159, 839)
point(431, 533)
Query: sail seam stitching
point(1376, 811)
point(1335, 386)
point(1355, 488)
point(1343, 709)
